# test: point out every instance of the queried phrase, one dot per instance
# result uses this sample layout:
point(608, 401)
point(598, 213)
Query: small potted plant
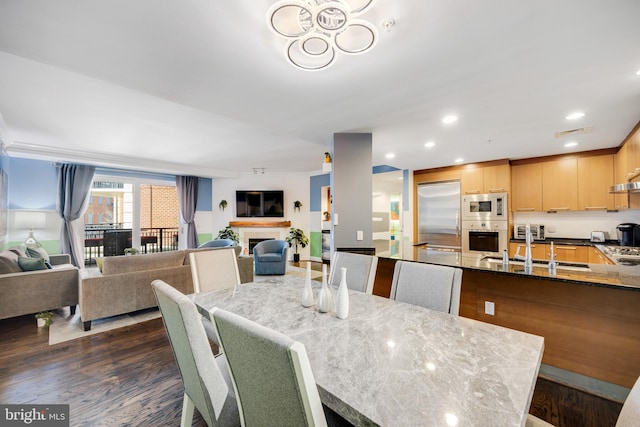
point(44, 319)
point(228, 233)
point(131, 251)
point(296, 235)
point(222, 205)
point(297, 205)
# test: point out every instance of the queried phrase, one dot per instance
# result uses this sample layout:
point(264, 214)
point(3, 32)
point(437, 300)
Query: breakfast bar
point(391, 363)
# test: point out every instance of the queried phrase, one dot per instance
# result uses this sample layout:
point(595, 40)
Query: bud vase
point(325, 299)
point(342, 305)
point(307, 291)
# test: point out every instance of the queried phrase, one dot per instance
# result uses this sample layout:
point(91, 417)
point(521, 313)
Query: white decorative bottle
point(325, 299)
point(307, 291)
point(342, 305)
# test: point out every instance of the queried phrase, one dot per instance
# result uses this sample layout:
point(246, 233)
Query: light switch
point(335, 219)
point(489, 308)
point(359, 235)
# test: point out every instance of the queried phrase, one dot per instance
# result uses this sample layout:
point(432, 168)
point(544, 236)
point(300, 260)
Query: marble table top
point(391, 363)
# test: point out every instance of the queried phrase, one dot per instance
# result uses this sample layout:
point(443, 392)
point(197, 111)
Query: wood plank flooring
point(128, 377)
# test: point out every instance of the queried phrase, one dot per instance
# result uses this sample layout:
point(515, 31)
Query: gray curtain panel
point(74, 187)
point(187, 187)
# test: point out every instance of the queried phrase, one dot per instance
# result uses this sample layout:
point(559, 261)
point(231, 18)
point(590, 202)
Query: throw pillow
point(38, 253)
point(31, 264)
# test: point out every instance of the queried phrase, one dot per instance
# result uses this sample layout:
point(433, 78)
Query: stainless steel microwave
point(488, 207)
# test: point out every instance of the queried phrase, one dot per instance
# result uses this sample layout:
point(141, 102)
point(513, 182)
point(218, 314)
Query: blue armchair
point(217, 243)
point(270, 257)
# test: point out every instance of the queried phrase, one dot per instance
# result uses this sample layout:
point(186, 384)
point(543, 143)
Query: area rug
point(66, 327)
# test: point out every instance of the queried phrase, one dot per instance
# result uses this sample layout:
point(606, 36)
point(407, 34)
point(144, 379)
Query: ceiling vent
point(572, 132)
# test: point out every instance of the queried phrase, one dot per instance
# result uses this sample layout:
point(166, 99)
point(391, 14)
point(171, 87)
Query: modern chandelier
point(317, 30)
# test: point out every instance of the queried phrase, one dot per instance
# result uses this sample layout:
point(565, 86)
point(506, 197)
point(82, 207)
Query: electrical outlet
point(359, 235)
point(489, 308)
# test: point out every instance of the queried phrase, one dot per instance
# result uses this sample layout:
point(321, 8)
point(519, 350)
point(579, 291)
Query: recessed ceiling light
point(576, 115)
point(390, 156)
point(430, 144)
point(449, 119)
point(459, 160)
point(570, 144)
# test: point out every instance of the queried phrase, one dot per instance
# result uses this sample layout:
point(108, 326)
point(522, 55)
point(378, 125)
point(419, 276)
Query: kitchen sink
point(560, 265)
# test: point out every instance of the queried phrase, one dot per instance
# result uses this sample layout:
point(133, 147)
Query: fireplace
point(254, 241)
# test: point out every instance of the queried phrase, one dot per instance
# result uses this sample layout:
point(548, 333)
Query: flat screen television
point(260, 203)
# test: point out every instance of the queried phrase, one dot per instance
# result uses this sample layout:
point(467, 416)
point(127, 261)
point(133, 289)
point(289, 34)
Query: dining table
point(397, 364)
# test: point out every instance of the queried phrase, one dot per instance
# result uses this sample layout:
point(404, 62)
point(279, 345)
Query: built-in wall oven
point(485, 236)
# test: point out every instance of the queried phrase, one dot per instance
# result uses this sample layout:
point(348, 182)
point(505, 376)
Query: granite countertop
point(392, 363)
point(611, 276)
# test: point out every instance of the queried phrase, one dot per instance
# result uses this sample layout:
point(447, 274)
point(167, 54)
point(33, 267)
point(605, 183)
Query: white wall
point(294, 185)
point(578, 225)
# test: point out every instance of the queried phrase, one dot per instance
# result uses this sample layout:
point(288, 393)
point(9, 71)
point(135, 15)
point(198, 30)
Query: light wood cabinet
point(488, 179)
point(538, 250)
point(621, 169)
point(560, 184)
point(571, 253)
point(595, 176)
point(597, 257)
point(526, 186)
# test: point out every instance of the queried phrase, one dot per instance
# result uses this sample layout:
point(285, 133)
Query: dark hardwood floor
point(128, 377)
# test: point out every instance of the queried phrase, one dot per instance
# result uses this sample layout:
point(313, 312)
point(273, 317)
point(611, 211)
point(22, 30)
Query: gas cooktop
point(624, 255)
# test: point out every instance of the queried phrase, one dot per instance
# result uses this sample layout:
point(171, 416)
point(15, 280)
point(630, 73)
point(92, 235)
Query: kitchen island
point(589, 317)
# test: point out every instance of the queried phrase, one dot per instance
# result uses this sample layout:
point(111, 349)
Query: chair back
point(630, 414)
point(270, 372)
point(361, 270)
point(217, 243)
point(436, 287)
point(204, 382)
point(270, 246)
point(214, 269)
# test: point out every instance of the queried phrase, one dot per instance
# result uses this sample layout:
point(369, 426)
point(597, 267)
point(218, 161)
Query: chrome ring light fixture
point(317, 30)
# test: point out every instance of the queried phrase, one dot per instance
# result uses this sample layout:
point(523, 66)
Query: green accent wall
point(315, 239)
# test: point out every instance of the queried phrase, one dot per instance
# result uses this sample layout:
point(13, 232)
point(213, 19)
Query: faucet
point(528, 262)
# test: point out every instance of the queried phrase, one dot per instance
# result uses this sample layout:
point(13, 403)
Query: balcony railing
point(111, 239)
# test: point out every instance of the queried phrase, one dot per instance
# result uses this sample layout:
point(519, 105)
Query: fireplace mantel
point(259, 224)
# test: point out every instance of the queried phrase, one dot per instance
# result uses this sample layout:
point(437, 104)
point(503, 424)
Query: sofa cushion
point(9, 263)
point(130, 263)
point(32, 264)
point(270, 258)
point(38, 253)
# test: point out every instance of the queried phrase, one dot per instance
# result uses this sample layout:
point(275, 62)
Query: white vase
point(325, 299)
point(41, 322)
point(342, 304)
point(307, 291)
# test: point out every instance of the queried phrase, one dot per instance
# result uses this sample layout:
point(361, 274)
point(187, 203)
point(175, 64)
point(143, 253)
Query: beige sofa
point(26, 292)
point(124, 285)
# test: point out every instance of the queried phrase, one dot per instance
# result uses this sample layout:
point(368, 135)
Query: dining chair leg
point(187, 411)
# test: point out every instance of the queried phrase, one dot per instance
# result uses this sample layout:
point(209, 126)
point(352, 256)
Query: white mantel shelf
point(259, 224)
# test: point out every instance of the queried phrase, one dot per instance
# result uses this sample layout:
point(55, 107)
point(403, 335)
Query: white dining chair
point(205, 377)
point(361, 270)
point(211, 270)
point(271, 374)
point(436, 287)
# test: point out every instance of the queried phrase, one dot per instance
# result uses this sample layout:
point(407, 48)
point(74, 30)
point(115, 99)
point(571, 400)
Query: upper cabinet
point(487, 179)
point(560, 184)
point(595, 176)
point(621, 169)
point(526, 187)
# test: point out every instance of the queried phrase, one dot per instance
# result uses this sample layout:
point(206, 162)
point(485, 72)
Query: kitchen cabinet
point(621, 169)
point(595, 176)
point(571, 253)
point(487, 179)
point(526, 185)
point(597, 257)
point(538, 250)
point(560, 184)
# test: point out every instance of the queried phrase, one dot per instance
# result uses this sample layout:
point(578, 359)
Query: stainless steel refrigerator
point(439, 215)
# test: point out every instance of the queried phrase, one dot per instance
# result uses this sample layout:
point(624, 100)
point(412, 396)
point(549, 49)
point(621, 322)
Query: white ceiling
point(202, 87)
